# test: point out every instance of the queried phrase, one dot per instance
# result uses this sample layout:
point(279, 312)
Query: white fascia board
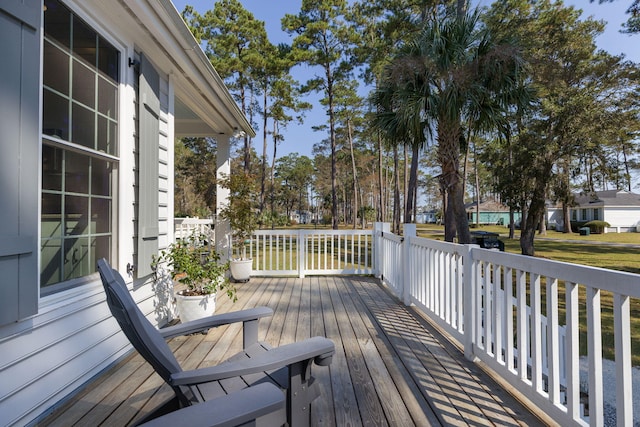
point(162, 34)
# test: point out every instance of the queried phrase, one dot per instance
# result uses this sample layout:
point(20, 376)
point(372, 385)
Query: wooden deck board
point(391, 367)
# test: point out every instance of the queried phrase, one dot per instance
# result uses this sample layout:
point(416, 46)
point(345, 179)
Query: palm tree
point(455, 72)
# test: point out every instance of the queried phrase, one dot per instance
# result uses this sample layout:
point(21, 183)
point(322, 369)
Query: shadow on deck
point(391, 366)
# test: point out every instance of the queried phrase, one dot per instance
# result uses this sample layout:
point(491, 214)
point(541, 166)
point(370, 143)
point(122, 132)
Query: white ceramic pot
point(195, 307)
point(241, 269)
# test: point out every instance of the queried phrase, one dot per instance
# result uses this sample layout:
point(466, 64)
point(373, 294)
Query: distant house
point(490, 212)
point(93, 95)
point(426, 217)
point(621, 209)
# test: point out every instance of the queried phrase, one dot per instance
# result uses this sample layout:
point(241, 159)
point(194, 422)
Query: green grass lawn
point(572, 248)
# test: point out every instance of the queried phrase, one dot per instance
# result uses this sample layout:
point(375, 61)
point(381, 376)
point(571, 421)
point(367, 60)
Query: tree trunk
point(355, 177)
point(273, 166)
point(412, 187)
point(512, 225)
point(534, 213)
point(477, 183)
point(566, 215)
point(456, 222)
point(627, 174)
point(405, 183)
point(462, 8)
point(396, 192)
point(380, 216)
point(460, 214)
point(542, 228)
point(263, 177)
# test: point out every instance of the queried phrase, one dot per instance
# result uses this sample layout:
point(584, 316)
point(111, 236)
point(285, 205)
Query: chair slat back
point(141, 333)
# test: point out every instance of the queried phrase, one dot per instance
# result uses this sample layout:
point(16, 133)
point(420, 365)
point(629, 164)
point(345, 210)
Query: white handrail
point(532, 338)
point(462, 289)
point(311, 252)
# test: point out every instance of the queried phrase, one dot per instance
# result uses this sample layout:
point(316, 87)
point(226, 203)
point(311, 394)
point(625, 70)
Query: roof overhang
point(203, 105)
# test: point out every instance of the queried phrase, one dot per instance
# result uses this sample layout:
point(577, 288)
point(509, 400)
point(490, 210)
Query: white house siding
point(554, 218)
point(622, 218)
point(73, 337)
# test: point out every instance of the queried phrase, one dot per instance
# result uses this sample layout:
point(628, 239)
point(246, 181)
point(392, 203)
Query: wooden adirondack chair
point(287, 366)
point(262, 404)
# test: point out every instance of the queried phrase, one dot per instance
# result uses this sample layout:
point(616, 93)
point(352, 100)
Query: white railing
point(311, 252)
point(184, 227)
point(462, 288)
point(557, 313)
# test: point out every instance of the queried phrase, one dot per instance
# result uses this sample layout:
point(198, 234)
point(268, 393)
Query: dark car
point(487, 240)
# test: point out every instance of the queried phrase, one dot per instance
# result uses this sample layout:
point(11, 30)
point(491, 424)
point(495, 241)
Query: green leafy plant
point(194, 263)
point(241, 211)
point(597, 226)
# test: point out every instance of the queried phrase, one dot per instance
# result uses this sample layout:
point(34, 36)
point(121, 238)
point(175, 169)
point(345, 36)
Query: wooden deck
point(391, 366)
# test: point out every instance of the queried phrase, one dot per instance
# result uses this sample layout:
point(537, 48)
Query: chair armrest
point(234, 409)
point(317, 348)
point(215, 320)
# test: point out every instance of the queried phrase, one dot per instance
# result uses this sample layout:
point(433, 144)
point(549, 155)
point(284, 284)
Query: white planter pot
point(241, 269)
point(195, 307)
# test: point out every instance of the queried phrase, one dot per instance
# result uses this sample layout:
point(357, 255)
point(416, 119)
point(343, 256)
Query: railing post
point(302, 247)
point(380, 228)
point(377, 228)
point(469, 298)
point(409, 233)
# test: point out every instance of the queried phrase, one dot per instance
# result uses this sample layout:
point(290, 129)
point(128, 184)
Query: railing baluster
point(507, 280)
point(522, 322)
point(624, 390)
point(573, 351)
point(460, 294)
point(488, 315)
point(553, 341)
point(497, 315)
point(594, 347)
point(536, 332)
point(480, 314)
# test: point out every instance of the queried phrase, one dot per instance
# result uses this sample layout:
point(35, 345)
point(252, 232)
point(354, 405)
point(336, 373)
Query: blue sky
point(300, 138)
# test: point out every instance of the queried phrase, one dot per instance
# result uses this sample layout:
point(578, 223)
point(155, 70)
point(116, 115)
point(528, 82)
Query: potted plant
point(195, 265)
point(243, 219)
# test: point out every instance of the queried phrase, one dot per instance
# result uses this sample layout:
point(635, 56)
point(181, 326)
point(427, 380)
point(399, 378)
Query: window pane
point(76, 173)
point(100, 178)
point(76, 258)
point(107, 135)
point(56, 64)
point(51, 216)
point(84, 84)
point(50, 271)
point(57, 22)
point(76, 215)
point(108, 59)
point(83, 126)
point(84, 41)
point(55, 115)
point(107, 98)
point(101, 248)
point(51, 168)
point(100, 215)
point(80, 105)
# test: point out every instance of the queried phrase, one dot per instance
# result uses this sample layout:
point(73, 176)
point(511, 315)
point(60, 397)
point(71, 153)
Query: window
point(596, 214)
point(79, 146)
